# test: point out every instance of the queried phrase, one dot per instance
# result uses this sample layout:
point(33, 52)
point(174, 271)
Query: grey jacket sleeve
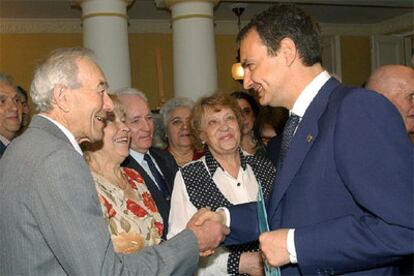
point(66, 208)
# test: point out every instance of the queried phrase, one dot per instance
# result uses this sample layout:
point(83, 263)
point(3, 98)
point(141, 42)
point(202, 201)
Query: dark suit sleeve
point(243, 224)
point(374, 159)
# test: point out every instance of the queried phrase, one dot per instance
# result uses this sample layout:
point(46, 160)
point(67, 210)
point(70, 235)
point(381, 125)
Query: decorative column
point(195, 68)
point(105, 31)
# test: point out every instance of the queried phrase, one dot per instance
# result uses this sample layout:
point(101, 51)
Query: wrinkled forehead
point(135, 105)
point(89, 72)
point(7, 90)
point(179, 111)
point(213, 110)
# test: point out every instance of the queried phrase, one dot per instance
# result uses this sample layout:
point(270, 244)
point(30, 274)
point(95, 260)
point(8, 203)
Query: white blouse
point(238, 190)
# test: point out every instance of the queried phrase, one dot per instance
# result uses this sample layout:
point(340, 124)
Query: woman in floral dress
point(127, 205)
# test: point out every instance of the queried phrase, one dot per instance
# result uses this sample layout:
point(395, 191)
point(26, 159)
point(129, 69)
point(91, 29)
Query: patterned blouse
point(131, 214)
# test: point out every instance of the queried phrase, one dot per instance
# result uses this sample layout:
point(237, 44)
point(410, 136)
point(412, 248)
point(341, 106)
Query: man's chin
point(263, 101)
point(13, 127)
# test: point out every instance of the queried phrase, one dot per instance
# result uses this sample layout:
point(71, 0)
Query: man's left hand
point(274, 247)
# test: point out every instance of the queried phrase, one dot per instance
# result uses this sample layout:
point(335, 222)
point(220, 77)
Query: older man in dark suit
point(10, 112)
point(156, 166)
point(343, 197)
point(396, 83)
point(51, 219)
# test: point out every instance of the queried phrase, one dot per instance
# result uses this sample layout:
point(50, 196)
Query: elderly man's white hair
point(131, 92)
point(59, 68)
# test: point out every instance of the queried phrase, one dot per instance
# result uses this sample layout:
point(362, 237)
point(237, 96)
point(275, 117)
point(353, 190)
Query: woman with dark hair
point(250, 140)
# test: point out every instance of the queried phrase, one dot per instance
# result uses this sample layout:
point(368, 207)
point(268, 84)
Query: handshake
point(209, 228)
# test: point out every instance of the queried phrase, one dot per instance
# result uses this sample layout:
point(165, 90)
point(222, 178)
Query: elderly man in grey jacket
point(51, 220)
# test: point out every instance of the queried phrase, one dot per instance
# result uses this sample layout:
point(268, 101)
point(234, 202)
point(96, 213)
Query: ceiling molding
point(19, 26)
point(398, 25)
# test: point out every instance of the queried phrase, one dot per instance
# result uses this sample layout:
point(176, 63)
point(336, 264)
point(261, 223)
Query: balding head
point(396, 82)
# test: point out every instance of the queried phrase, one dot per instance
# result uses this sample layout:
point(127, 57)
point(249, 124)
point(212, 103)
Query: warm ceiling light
point(237, 71)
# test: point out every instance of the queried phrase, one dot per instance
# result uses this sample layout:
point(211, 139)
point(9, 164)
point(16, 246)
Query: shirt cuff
point(226, 214)
point(291, 246)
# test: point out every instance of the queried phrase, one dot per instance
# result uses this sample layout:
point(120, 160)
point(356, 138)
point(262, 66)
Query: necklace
point(182, 159)
point(123, 181)
point(120, 180)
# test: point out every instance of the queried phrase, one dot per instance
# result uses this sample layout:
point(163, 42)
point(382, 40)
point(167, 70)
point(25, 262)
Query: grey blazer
point(51, 221)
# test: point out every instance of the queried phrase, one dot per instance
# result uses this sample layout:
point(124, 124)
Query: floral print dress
point(131, 214)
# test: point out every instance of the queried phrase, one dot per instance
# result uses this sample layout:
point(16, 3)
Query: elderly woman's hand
point(127, 243)
point(251, 263)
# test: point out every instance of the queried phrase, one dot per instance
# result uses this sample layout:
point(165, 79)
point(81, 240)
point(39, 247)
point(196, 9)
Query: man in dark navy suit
point(156, 166)
point(10, 112)
point(342, 201)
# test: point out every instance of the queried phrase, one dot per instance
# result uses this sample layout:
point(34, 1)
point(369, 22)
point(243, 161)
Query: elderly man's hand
point(274, 247)
point(205, 214)
point(210, 233)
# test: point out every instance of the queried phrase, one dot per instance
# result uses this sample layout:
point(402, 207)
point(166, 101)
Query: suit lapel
point(162, 165)
point(301, 143)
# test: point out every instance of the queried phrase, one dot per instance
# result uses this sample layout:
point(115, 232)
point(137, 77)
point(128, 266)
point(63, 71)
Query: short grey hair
point(131, 92)
point(59, 68)
point(172, 104)
point(7, 79)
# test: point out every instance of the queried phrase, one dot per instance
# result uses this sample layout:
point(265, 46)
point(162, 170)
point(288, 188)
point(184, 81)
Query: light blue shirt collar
point(139, 157)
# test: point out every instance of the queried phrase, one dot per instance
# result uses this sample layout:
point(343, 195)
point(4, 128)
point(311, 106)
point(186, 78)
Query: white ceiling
point(326, 11)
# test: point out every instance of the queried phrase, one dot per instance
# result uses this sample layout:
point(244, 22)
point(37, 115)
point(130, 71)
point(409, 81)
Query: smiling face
point(89, 104)
point(140, 122)
point(220, 130)
point(264, 73)
point(116, 137)
point(10, 111)
point(177, 128)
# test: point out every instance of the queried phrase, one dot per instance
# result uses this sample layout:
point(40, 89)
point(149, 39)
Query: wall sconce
point(237, 71)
